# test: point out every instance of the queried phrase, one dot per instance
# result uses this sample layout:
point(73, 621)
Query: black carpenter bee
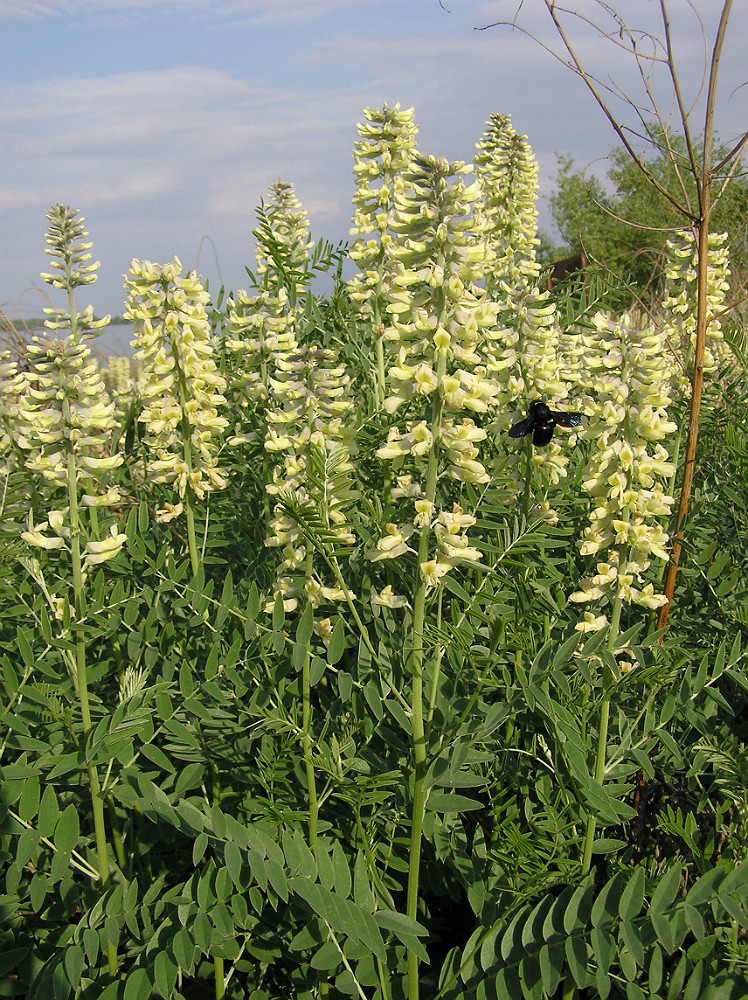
point(541, 421)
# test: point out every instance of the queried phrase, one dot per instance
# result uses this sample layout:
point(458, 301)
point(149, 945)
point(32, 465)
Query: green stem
point(380, 384)
point(97, 801)
point(306, 724)
point(218, 970)
point(602, 734)
point(419, 758)
point(416, 708)
point(306, 741)
point(569, 988)
point(437, 657)
point(71, 304)
point(527, 498)
point(187, 452)
point(191, 536)
point(265, 382)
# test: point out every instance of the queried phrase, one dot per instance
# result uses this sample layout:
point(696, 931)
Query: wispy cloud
point(159, 159)
point(257, 11)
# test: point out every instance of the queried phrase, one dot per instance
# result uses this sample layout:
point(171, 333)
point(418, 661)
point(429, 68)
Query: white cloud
point(158, 158)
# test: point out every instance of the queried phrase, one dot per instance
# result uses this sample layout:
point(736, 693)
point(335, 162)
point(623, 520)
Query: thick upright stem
point(419, 774)
point(191, 536)
point(416, 708)
point(527, 497)
point(306, 741)
point(218, 971)
point(97, 801)
point(569, 987)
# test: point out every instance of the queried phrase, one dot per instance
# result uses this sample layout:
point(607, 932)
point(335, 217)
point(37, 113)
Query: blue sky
point(165, 122)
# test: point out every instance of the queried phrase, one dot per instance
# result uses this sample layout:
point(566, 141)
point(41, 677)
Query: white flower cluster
point(508, 173)
point(11, 389)
point(386, 144)
point(437, 317)
point(522, 350)
point(63, 427)
point(181, 385)
point(263, 326)
point(625, 473)
point(118, 377)
point(309, 396)
point(120, 384)
point(679, 303)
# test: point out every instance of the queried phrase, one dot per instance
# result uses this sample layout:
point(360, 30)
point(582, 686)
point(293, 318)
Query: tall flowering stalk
point(264, 325)
point(523, 349)
point(508, 173)
point(387, 140)
point(437, 315)
point(625, 478)
point(679, 308)
point(310, 403)
point(181, 386)
point(309, 437)
point(64, 428)
point(697, 280)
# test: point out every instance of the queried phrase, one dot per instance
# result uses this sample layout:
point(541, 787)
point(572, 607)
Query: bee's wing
point(523, 427)
point(568, 419)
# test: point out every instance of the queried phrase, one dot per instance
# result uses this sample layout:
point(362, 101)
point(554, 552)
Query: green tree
point(624, 222)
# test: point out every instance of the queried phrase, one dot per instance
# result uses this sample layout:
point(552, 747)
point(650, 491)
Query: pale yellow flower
point(386, 598)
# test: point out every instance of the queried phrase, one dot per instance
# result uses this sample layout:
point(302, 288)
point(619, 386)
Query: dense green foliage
point(623, 222)
point(253, 757)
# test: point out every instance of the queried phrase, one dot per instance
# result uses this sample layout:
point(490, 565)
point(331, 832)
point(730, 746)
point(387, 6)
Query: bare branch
point(712, 89)
point(737, 152)
point(580, 71)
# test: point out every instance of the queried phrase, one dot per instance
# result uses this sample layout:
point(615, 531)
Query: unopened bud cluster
point(73, 266)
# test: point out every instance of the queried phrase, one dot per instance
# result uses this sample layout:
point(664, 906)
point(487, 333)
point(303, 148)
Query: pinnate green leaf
point(183, 950)
point(336, 645)
point(49, 812)
point(326, 958)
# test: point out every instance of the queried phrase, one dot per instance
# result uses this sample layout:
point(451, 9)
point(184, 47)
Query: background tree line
point(622, 223)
